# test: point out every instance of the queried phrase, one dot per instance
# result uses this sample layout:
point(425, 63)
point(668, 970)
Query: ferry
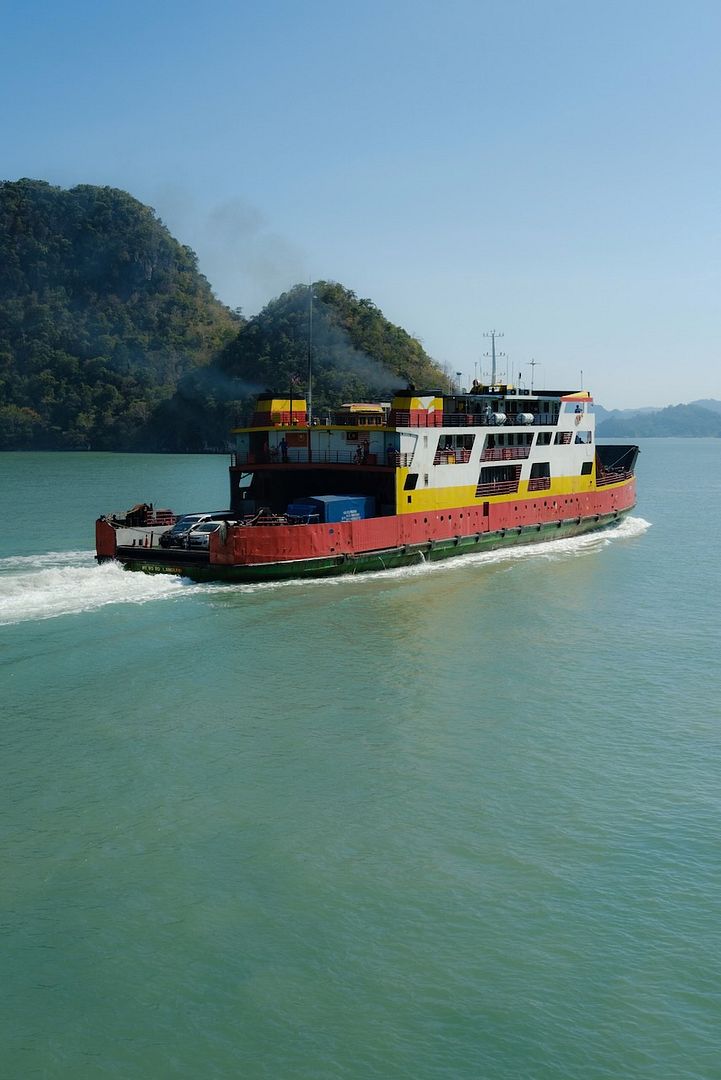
point(380, 485)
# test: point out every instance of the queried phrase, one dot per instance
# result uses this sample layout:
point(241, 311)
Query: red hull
point(289, 543)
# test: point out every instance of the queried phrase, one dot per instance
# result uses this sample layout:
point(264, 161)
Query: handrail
point(321, 457)
point(612, 476)
point(503, 487)
point(505, 453)
point(452, 457)
point(403, 418)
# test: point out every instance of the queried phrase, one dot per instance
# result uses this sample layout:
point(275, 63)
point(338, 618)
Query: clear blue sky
point(550, 168)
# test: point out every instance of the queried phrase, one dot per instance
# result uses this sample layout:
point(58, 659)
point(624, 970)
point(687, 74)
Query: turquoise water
point(458, 821)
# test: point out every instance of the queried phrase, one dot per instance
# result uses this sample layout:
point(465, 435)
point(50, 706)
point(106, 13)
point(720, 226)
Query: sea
point(455, 822)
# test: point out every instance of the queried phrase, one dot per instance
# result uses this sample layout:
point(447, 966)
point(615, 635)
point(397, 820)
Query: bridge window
point(540, 468)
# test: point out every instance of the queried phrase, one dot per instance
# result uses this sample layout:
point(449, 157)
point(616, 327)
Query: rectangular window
point(544, 438)
point(586, 468)
point(540, 478)
point(563, 438)
point(411, 481)
point(453, 449)
point(583, 437)
point(498, 480)
point(540, 468)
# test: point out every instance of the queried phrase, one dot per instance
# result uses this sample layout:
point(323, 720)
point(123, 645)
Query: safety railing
point(539, 483)
point(300, 456)
point(612, 476)
point(502, 487)
point(505, 453)
point(403, 418)
point(452, 457)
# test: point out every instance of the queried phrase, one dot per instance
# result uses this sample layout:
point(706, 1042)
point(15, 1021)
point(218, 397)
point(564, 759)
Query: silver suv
point(199, 535)
point(178, 535)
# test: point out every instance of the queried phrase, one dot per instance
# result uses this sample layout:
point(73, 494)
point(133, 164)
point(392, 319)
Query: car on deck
point(199, 535)
point(178, 535)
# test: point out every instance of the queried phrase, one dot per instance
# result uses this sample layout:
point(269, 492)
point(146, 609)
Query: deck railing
point(505, 453)
point(452, 457)
point(403, 418)
point(612, 476)
point(539, 483)
point(503, 487)
point(300, 456)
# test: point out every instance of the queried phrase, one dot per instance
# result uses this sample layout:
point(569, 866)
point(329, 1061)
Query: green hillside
point(357, 355)
point(101, 313)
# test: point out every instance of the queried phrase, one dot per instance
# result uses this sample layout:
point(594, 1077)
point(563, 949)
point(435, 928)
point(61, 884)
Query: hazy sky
point(550, 169)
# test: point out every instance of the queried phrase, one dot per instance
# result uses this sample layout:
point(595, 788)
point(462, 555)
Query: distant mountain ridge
point(698, 419)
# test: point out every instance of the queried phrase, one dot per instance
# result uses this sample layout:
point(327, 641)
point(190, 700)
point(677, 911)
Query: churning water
point(458, 820)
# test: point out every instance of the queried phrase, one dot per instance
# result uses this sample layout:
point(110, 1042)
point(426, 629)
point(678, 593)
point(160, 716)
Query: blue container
point(333, 508)
point(306, 512)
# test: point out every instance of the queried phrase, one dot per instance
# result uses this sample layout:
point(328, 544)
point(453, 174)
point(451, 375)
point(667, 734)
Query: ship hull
point(197, 568)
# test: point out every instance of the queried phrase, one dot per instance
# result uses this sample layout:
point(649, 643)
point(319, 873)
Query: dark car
point(178, 535)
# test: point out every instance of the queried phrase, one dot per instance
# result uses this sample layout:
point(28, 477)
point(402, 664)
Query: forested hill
point(111, 339)
point(101, 313)
point(357, 355)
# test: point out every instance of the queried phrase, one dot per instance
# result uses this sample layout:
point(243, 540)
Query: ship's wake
point(70, 582)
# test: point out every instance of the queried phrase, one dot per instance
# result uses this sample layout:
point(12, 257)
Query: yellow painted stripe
point(449, 498)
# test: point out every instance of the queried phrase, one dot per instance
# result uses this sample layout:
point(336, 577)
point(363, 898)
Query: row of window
point(494, 475)
point(543, 438)
point(447, 443)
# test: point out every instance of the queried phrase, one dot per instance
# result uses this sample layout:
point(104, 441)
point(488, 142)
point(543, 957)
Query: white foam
point(46, 559)
point(56, 589)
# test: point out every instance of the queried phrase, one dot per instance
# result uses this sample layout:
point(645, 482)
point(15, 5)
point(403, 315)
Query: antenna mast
point(532, 365)
point(493, 334)
point(309, 405)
